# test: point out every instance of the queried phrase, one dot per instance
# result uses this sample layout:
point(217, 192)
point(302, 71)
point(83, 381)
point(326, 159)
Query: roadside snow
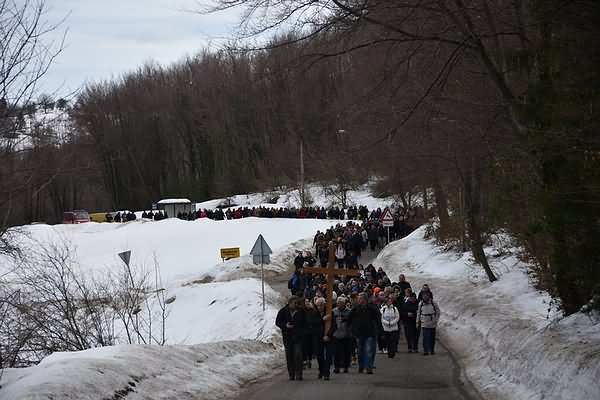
point(510, 346)
point(217, 334)
point(214, 312)
point(206, 371)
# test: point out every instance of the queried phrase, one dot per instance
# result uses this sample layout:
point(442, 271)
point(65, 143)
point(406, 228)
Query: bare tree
point(25, 56)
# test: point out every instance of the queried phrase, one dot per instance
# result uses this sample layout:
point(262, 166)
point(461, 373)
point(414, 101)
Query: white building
point(175, 206)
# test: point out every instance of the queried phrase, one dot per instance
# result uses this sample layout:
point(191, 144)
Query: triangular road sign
point(387, 215)
point(125, 256)
point(260, 248)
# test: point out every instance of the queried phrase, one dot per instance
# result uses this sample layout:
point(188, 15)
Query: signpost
point(230, 252)
point(260, 255)
point(331, 271)
point(387, 220)
point(125, 256)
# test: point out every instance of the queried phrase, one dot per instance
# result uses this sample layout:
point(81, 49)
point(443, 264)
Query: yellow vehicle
point(98, 217)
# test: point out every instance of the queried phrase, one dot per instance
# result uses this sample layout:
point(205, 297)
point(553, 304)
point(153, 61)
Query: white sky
point(106, 38)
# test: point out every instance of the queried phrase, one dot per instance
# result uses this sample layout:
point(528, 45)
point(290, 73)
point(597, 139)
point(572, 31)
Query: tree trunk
point(471, 185)
point(441, 202)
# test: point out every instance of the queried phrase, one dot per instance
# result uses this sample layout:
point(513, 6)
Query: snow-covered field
point(185, 250)
point(508, 343)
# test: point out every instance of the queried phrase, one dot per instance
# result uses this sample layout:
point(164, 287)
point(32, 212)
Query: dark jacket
point(365, 320)
point(317, 325)
point(314, 324)
point(409, 312)
point(298, 320)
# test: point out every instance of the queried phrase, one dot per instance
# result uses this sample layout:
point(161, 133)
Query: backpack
point(293, 282)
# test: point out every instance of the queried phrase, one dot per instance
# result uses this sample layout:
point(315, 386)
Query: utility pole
point(302, 199)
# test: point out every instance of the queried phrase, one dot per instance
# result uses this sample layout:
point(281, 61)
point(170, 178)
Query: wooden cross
point(330, 272)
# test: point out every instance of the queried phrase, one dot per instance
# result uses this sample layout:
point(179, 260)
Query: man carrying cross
point(324, 349)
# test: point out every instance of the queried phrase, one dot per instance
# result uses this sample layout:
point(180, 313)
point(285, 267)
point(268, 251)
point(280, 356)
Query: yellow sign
point(230, 252)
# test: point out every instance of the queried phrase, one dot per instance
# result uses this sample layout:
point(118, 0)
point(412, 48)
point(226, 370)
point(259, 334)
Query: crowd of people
point(366, 223)
point(362, 213)
point(370, 313)
point(127, 216)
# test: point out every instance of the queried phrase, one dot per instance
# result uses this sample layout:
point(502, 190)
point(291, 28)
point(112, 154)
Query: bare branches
point(48, 305)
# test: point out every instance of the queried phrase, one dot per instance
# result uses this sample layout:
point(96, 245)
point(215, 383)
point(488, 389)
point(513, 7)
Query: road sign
point(125, 256)
point(230, 252)
point(260, 251)
point(387, 219)
point(260, 255)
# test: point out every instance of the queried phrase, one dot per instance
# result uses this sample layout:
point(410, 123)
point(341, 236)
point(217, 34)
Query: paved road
point(408, 376)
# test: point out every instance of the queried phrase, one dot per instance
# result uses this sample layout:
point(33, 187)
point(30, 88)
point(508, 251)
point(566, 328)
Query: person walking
point(291, 320)
point(365, 320)
point(324, 344)
point(311, 333)
point(342, 336)
point(390, 316)
point(428, 316)
point(408, 314)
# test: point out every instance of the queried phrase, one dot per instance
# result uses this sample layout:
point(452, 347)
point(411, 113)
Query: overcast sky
point(106, 38)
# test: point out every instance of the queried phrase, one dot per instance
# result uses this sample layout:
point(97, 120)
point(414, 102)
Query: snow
point(318, 194)
point(185, 250)
point(198, 312)
point(207, 371)
point(218, 337)
point(174, 201)
point(509, 344)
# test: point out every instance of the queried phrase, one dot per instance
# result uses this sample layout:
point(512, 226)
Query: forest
point(489, 105)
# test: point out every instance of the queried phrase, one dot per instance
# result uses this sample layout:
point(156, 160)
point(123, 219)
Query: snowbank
point(510, 346)
point(212, 312)
point(207, 371)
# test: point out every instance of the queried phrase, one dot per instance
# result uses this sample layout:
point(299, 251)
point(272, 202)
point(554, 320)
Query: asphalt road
point(407, 376)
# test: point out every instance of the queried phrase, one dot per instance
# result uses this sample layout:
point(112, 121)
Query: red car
point(76, 217)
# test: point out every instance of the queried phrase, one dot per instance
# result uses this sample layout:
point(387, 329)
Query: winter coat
point(295, 334)
point(314, 323)
point(365, 320)
point(409, 312)
point(389, 318)
point(428, 314)
point(317, 325)
point(373, 234)
point(341, 326)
